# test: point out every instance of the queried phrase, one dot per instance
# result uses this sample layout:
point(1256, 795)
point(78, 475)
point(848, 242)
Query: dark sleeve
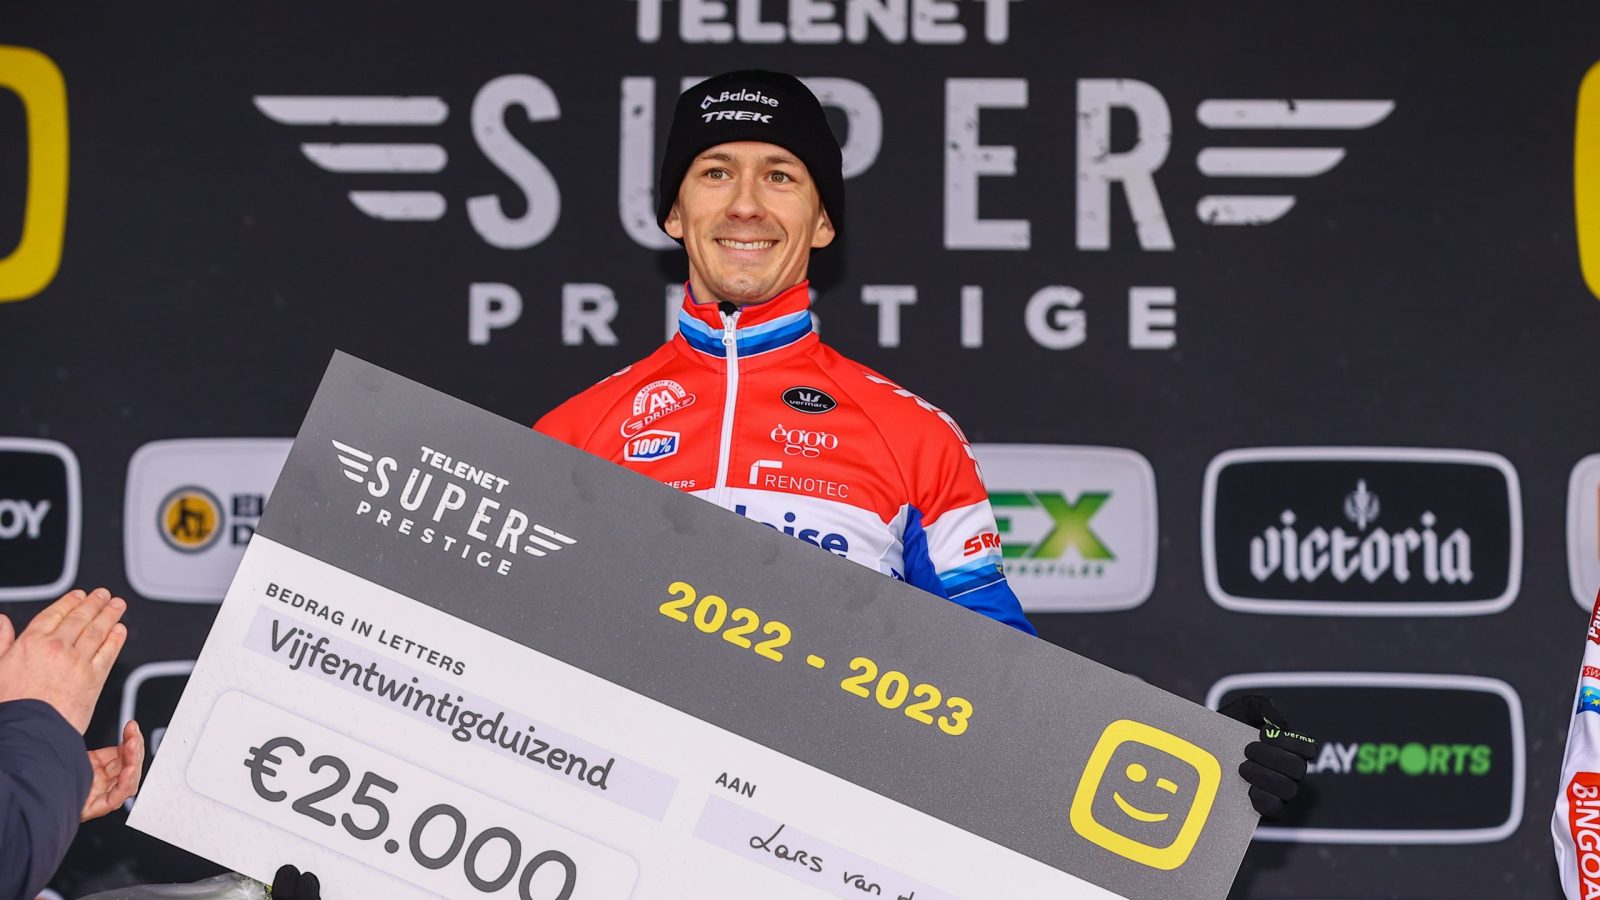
point(44, 779)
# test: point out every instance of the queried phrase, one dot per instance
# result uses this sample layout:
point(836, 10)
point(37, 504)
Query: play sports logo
point(1362, 531)
point(1405, 758)
point(37, 82)
point(1077, 524)
point(41, 518)
point(191, 508)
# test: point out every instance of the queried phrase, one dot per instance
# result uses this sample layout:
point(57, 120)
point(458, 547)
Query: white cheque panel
point(400, 752)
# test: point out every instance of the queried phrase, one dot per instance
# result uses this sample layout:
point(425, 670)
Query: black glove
point(291, 884)
point(1275, 764)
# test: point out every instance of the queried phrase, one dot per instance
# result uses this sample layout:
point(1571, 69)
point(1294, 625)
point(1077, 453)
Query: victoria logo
point(191, 508)
point(799, 442)
point(40, 518)
point(1404, 758)
point(808, 400)
point(1077, 524)
point(1362, 531)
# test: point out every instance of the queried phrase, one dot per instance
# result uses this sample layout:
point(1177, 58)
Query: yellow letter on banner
point(1586, 178)
point(36, 80)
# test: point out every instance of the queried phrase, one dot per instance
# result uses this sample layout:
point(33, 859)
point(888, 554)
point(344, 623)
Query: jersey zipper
point(730, 343)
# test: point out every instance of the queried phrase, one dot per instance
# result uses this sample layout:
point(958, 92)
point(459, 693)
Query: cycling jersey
point(750, 410)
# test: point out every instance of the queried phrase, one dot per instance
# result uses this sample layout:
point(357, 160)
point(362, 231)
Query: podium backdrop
point(1150, 242)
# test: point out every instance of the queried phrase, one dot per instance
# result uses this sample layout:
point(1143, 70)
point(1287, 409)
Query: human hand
point(292, 884)
point(65, 654)
point(117, 771)
point(1274, 765)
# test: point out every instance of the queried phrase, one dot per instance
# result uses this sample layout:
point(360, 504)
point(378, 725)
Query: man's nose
point(746, 202)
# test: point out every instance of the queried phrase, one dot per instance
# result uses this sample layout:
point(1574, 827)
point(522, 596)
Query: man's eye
point(717, 174)
point(782, 177)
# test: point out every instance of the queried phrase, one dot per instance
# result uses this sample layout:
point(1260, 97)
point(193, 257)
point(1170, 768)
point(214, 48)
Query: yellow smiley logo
point(1193, 772)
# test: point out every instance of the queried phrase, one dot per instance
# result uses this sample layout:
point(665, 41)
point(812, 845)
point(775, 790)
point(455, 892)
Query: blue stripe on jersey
point(914, 547)
point(780, 332)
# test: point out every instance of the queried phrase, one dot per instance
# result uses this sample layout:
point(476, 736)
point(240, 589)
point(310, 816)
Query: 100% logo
point(498, 842)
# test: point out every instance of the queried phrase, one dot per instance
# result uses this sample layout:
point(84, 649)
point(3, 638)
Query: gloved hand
point(1275, 764)
point(292, 884)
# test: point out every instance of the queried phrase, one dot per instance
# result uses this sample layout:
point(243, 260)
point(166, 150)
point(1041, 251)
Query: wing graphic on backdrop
point(375, 157)
point(1274, 162)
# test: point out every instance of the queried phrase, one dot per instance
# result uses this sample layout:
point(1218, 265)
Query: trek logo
point(1583, 531)
point(150, 695)
point(190, 509)
point(492, 535)
point(36, 81)
point(1586, 178)
point(1157, 828)
point(1362, 531)
point(40, 518)
point(833, 542)
point(656, 401)
point(740, 96)
point(651, 446)
point(1405, 758)
point(808, 400)
point(736, 115)
point(1077, 525)
point(799, 442)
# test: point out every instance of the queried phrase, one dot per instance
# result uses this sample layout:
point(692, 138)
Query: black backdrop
point(1424, 292)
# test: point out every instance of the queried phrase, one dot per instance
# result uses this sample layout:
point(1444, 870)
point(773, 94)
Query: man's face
point(749, 216)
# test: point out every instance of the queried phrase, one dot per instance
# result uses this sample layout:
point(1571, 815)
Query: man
point(746, 408)
point(50, 677)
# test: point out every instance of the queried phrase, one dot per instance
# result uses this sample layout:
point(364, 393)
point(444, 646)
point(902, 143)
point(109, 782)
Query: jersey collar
point(763, 328)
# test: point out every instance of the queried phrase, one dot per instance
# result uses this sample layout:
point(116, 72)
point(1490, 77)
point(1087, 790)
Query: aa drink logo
point(37, 82)
point(40, 518)
point(191, 507)
point(1583, 530)
point(1405, 758)
point(1077, 524)
point(1362, 531)
point(150, 694)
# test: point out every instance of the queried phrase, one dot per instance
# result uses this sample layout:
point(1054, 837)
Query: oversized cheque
point(462, 659)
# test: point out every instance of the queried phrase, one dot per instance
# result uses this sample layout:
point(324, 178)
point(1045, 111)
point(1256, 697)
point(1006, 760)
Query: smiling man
point(745, 406)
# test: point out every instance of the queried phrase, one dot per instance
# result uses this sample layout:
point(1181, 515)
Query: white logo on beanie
point(740, 96)
point(736, 115)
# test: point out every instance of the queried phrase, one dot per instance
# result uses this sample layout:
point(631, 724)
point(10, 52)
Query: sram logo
point(979, 543)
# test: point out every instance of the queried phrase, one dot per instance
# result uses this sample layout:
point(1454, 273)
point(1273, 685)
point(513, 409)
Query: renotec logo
point(1586, 178)
point(1145, 794)
point(447, 503)
point(36, 80)
point(40, 518)
point(1077, 524)
point(1362, 531)
point(1404, 758)
point(1583, 530)
point(191, 508)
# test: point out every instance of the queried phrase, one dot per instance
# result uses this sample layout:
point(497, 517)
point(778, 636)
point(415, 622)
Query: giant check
point(462, 659)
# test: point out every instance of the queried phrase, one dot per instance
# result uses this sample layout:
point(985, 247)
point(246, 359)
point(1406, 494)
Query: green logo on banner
point(1069, 524)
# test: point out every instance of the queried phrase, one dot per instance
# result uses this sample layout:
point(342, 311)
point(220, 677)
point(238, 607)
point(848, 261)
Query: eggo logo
point(799, 442)
point(36, 80)
point(1186, 777)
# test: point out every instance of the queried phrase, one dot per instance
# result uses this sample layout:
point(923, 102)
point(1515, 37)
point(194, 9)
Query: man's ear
point(674, 224)
point(824, 234)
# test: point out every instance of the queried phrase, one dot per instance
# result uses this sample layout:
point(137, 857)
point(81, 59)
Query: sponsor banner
point(150, 695)
point(458, 614)
point(1405, 758)
point(40, 518)
point(1077, 524)
point(34, 79)
point(1362, 531)
point(191, 508)
point(1583, 530)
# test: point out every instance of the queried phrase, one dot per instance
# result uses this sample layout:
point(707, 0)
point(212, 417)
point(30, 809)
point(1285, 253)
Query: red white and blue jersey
point(751, 411)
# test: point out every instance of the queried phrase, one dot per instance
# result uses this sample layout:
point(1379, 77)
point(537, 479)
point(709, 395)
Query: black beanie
point(752, 105)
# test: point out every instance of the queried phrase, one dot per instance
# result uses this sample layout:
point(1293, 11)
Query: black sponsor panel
point(1363, 531)
point(35, 525)
point(1429, 764)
